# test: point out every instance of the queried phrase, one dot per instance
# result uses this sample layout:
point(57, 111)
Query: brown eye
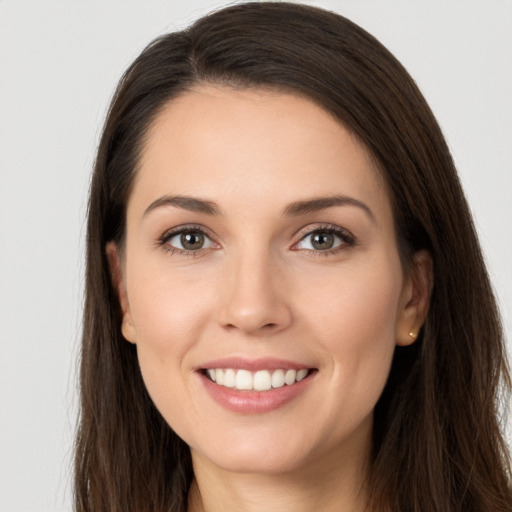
point(322, 240)
point(189, 240)
point(192, 240)
point(325, 239)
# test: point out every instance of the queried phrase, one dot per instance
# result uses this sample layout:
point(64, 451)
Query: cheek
point(354, 319)
point(166, 316)
point(356, 303)
point(164, 306)
point(167, 325)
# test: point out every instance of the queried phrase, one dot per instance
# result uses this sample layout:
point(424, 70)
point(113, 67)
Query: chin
point(250, 456)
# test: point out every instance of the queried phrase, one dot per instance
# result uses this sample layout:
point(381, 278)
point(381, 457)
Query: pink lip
point(254, 402)
point(241, 363)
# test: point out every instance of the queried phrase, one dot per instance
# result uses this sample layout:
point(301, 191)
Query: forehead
point(258, 146)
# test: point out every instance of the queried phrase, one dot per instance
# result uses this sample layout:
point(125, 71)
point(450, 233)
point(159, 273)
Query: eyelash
point(162, 241)
point(347, 239)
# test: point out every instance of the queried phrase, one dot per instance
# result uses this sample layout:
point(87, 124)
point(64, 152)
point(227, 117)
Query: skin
point(261, 289)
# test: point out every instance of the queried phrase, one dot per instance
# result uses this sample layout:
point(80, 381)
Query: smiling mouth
point(261, 380)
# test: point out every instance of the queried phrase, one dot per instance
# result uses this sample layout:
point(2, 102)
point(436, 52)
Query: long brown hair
point(437, 443)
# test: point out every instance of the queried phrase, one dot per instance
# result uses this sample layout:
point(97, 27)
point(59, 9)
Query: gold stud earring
point(412, 335)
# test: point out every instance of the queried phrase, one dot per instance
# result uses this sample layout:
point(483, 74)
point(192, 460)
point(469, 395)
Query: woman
point(286, 303)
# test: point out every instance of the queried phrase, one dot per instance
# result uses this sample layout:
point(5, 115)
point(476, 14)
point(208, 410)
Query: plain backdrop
point(59, 63)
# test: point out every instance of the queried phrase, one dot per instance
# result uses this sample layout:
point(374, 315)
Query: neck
point(335, 483)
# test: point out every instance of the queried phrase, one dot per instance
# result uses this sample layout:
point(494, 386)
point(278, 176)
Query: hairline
point(198, 84)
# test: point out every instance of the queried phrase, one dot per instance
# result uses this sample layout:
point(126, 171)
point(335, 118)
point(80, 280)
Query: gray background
point(59, 62)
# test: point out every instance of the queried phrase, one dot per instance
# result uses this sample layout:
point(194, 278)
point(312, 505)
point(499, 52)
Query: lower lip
point(255, 402)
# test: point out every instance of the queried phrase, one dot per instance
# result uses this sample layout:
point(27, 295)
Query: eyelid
point(347, 238)
point(177, 230)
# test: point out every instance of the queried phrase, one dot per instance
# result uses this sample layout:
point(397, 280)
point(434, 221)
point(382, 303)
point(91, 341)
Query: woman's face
point(261, 252)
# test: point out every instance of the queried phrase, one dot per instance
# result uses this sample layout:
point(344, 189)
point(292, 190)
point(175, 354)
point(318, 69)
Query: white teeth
point(262, 380)
point(289, 378)
point(301, 374)
point(229, 378)
point(243, 379)
point(278, 379)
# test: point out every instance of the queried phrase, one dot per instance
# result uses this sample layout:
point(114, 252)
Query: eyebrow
point(186, 203)
point(321, 203)
point(294, 209)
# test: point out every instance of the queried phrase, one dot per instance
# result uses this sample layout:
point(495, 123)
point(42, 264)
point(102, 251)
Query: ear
point(114, 261)
point(415, 298)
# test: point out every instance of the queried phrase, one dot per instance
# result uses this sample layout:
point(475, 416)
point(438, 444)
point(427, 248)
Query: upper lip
point(264, 363)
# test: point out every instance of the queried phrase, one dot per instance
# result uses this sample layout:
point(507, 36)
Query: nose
point(255, 297)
